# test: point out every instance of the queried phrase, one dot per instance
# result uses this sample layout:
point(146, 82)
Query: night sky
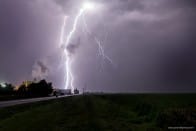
point(152, 44)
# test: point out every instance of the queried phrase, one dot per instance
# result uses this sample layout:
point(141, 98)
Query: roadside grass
point(124, 112)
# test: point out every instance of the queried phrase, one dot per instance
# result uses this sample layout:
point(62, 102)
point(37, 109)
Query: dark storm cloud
point(151, 43)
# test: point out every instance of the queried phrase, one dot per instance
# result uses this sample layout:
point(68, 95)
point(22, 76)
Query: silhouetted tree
point(42, 88)
point(22, 91)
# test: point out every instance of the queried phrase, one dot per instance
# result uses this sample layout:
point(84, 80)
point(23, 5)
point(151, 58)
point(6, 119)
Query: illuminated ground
point(151, 112)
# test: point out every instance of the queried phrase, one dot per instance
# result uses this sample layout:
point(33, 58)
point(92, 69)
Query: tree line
point(34, 89)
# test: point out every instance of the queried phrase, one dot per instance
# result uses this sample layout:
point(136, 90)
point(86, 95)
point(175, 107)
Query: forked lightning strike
point(69, 75)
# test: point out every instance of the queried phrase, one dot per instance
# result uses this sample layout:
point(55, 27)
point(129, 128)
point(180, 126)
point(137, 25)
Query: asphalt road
point(24, 101)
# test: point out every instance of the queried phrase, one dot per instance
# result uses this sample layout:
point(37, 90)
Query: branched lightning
point(74, 26)
point(68, 62)
point(98, 42)
point(69, 75)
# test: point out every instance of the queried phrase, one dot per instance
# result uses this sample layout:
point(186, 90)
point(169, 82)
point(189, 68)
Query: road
point(24, 101)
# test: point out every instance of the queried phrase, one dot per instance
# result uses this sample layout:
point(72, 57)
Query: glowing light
point(88, 6)
point(3, 85)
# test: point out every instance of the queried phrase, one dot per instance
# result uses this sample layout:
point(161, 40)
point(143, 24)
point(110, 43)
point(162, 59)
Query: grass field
point(117, 112)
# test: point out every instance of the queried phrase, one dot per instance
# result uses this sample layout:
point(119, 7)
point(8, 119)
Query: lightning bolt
point(68, 62)
point(63, 31)
point(98, 42)
point(61, 41)
point(74, 27)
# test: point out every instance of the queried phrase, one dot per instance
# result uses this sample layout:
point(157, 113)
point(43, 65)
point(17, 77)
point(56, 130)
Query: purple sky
point(152, 44)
